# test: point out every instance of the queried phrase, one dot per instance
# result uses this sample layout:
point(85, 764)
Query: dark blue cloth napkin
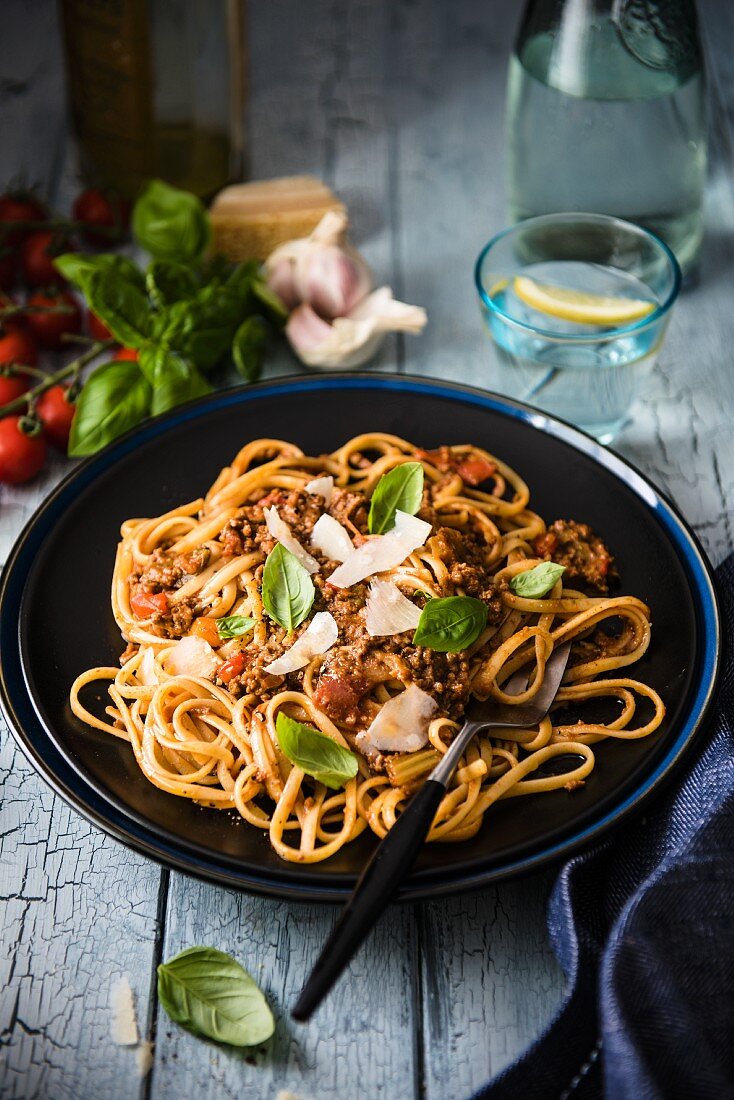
point(643, 926)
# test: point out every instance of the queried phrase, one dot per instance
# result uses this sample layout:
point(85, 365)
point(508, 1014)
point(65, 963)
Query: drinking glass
point(577, 306)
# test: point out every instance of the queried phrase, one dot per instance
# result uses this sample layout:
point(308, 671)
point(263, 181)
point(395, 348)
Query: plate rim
point(131, 829)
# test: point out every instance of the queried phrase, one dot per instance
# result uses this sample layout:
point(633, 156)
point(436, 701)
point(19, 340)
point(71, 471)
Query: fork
point(397, 852)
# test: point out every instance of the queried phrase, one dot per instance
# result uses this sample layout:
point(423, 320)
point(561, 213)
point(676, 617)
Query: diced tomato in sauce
point(145, 604)
point(206, 627)
point(475, 469)
point(231, 668)
point(339, 695)
point(546, 543)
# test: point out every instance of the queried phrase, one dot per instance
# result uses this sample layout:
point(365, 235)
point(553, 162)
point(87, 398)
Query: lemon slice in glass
point(576, 305)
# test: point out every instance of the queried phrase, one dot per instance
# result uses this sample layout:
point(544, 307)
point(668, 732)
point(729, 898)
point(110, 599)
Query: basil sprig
point(211, 995)
point(183, 315)
point(399, 489)
point(315, 753)
point(170, 224)
point(451, 624)
point(115, 398)
point(537, 582)
point(287, 589)
point(234, 626)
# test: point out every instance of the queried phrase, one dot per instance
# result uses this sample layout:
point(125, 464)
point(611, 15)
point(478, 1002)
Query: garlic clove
point(321, 270)
point(350, 341)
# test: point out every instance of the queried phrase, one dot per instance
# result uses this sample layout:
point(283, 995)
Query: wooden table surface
point(399, 105)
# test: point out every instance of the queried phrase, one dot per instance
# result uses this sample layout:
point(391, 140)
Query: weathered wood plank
point(359, 1043)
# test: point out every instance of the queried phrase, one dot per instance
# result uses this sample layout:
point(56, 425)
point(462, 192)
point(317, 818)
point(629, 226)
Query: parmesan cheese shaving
point(147, 673)
point(191, 656)
point(382, 552)
point(388, 611)
point(320, 636)
point(322, 487)
point(123, 1028)
point(331, 538)
point(402, 723)
point(280, 530)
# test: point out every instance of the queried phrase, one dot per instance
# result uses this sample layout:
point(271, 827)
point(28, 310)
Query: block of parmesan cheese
point(250, 219)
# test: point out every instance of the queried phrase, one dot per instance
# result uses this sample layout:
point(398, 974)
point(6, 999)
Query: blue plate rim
point(70, 783)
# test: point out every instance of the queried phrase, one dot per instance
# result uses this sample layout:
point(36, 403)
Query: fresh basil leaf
point(240, 278)
point(78, 268)
point(248, 347)
point(210, 994)
point(201, 329)
point(234, 626)
point(169, 223)
point(400, 488)
point(315, 753)
point(168, 281)
point(114, 398)
point(451, 624)
point(120, 305)
point(173, 378)
point(273, 306)
point(537, 582)
point(287, 589)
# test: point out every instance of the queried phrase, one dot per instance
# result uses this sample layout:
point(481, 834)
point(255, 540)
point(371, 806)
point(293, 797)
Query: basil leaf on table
point(315, 753)
point(537, 582)
point(202, 328)
point(451, 624)
point(399, 489)
point(287, 589)
point(210, 994)
point(114, 398)
point(168, 281)
point(121, 305)
point(273, 306)
point(169, 223)
point(173, 378)
point(248, 347)
point(234, 626)
point(78, 268)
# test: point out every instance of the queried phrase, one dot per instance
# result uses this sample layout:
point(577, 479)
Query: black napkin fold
point(643, 926)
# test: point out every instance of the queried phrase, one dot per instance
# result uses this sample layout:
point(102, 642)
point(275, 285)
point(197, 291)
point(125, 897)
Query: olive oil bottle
point(157, 88)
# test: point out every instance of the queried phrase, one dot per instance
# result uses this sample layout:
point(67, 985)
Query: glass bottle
point(606, 114)
point(157, 88)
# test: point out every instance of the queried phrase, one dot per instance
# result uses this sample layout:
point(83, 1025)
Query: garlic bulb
point(322, 270)
point(353, 339)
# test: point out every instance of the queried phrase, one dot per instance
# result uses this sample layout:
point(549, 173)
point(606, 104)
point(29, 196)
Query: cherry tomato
point(17, 346)
point(48, 328)
point(105, 209)
point(37, 258)
point(56, 413)
point(7, 269)
point(22, 453)
point(19, 207)
point(144, 604)
point(231, 668)
point(97, 329)
point(11, 386)
point(126, 353)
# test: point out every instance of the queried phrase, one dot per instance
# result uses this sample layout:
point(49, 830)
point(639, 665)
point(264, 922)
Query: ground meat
point(350, 509)
point(589, 565)
point(465, 555)
point(167, 571)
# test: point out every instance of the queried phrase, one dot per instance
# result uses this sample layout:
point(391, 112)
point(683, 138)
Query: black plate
point(55, 620)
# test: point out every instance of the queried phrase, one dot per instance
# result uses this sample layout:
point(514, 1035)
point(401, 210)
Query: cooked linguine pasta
point(303, 642)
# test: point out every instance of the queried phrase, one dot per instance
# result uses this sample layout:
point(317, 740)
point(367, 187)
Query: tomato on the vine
point(19, 207)
point(126, 353)
point(12, 385)
point(49, 327)
point(22, 449)
point(97, 329)
point(37, 258)
point(56, 413)
point(105, 209)
point(17, 346)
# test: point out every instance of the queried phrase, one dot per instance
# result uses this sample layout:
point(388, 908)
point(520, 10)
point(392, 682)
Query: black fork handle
point(377, 885)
